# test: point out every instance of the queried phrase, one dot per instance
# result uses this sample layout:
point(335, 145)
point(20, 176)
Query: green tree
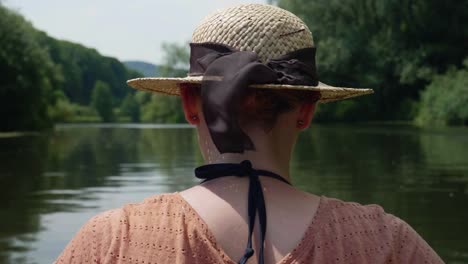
point(27, 77)
point(101, 100)
point(131, 108)
point(445, 100)
point(176, 60)
point(162, 108)
point(62, 110)
point(394, 47)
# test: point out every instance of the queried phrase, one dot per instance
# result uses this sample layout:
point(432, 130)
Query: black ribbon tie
point(256, 201)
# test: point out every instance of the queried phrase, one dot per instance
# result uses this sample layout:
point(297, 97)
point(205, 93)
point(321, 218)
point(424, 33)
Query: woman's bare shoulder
point(94, 239)
point(337, 213)
point(370, 227)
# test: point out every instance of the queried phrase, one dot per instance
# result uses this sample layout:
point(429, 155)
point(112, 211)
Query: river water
point(53, 182)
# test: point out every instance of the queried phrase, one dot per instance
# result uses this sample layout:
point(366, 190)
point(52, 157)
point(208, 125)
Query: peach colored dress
point(166, 229)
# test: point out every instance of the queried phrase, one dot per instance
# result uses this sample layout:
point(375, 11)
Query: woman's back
point(167, 229)
point(222, 204)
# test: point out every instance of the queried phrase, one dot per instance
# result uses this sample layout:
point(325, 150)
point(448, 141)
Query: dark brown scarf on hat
point(227, 73)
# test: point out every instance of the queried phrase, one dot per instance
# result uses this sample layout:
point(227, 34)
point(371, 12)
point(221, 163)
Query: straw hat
point(268, 31)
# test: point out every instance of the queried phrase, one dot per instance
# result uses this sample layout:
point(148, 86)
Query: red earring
point(194, 117)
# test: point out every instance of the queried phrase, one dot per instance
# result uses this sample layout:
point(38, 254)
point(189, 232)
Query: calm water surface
point(52, 183)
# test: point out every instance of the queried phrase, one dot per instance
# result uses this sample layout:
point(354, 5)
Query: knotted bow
point(256, 201)
point(227, 73)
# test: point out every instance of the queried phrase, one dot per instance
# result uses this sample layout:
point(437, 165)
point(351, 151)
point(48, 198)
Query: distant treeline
point(44, 80)
point(413, 53)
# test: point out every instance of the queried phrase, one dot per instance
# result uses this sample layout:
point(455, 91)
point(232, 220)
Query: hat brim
point(171, 86)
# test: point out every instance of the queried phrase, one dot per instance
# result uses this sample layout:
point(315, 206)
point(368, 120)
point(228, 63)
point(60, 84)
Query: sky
point(127, 30)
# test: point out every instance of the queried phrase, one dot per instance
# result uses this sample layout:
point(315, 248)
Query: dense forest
point(45, 80)
point(413, 53)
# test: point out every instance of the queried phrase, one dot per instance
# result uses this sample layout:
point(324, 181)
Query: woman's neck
point(270, 154)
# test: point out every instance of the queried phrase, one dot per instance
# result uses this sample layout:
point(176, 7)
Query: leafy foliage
point(394, 47)
point(28, 76)
point(102, 101)
point(45, 80)
point(445, 100)
point(162, 108)
point(83, 67)
point(176, 60)
point(131, 108)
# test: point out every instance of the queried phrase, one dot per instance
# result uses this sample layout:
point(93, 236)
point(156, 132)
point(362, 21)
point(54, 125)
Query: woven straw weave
point(267, 30)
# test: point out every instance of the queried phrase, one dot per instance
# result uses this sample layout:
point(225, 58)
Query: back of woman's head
point(262, 107)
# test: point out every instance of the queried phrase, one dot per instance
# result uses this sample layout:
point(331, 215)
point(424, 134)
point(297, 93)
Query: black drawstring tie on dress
point(255, 196)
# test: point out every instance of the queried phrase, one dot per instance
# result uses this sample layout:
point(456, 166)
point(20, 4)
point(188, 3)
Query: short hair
point(264, 106)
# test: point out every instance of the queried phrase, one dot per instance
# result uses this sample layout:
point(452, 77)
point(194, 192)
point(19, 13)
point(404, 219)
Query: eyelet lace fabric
point(166, 229)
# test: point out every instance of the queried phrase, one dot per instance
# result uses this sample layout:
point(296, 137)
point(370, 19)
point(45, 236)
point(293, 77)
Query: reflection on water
point(52, 183)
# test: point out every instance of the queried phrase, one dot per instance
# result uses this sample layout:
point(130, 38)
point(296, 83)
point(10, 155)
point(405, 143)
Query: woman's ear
point(189, 97)
point(306, 112)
